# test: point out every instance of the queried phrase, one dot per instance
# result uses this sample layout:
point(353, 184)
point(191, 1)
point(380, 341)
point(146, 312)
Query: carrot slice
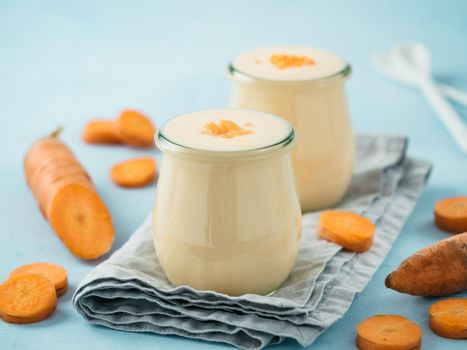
point(135, 129)
point(82, 221)
point(62, 291)
point(27, 299)
point(101, 131)
point(134, 172)
point(53, 272)
point(67, 198)
point(347, 229)
point(388, 332)
point(451, 214)
point(448, 318)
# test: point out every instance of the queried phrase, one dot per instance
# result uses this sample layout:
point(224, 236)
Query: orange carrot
point(101, 131)
point(439, 269)
point(135, 129)
point(27, 299)
point(68, 199)
point(225, 128)
point(347, 229)
point(448, 318)
point(53, 272)
point(137, 172)
point(451, 214)
point(62, 291)
point(384, 332)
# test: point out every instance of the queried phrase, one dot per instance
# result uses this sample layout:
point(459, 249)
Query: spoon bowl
point(416, 56)
point(385, 65)
point(405, 63)
point(411, 63)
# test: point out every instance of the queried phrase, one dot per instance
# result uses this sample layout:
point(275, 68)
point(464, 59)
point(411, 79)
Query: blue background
point(65, 62)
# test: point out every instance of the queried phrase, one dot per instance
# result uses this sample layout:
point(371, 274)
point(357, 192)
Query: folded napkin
point(130, 292)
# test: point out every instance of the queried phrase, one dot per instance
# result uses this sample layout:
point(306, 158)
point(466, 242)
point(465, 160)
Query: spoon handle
point(454, 93)
point(446, 112)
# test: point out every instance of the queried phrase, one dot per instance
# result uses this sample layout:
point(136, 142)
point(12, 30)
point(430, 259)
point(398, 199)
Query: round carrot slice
point(53, 272)
point(448, 318)
point(347, 229)
point(27, 299)
point(135, 129)
point(101, 131)
point(82, 221)
point(137, 172)
point(451, 214)
point(62, 291)
point(384, 332)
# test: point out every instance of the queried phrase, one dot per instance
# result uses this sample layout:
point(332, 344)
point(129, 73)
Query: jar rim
point(344, 72)
point(164, 143)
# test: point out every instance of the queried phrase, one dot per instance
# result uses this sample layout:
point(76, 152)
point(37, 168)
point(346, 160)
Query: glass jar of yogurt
point(227, 215)
point(306, 87)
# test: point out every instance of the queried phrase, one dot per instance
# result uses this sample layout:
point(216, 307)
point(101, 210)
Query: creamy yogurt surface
point(226, 130)
point(288, 63)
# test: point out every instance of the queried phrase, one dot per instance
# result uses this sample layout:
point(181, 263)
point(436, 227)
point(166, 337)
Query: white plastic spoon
point(384, 64)
point(412, 62)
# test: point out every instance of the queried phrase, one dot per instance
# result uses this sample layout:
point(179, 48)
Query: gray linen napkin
point(130, 292)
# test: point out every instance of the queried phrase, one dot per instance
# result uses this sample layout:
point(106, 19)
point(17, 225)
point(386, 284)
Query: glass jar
point(227, 221)
point(316, 106)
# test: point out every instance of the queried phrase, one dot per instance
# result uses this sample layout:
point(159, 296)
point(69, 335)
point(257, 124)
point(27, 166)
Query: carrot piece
point(388, 332)
point(347, 229)
point(448, 318)
point(135, 129)
point(61, 291)
point(451, 214)
point(137, 172)
point(67, 198)
point(225, 128)
point(288, 61)
point(53, 272)
point(101, 131)
point(85, 226)
point(27, 299)
point(439, 269)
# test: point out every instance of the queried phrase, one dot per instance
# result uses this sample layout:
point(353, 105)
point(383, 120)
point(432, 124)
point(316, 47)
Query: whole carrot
point(67, 198)
point(439, 269)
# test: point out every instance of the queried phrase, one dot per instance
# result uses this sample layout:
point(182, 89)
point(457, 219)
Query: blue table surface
point(65, 62)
